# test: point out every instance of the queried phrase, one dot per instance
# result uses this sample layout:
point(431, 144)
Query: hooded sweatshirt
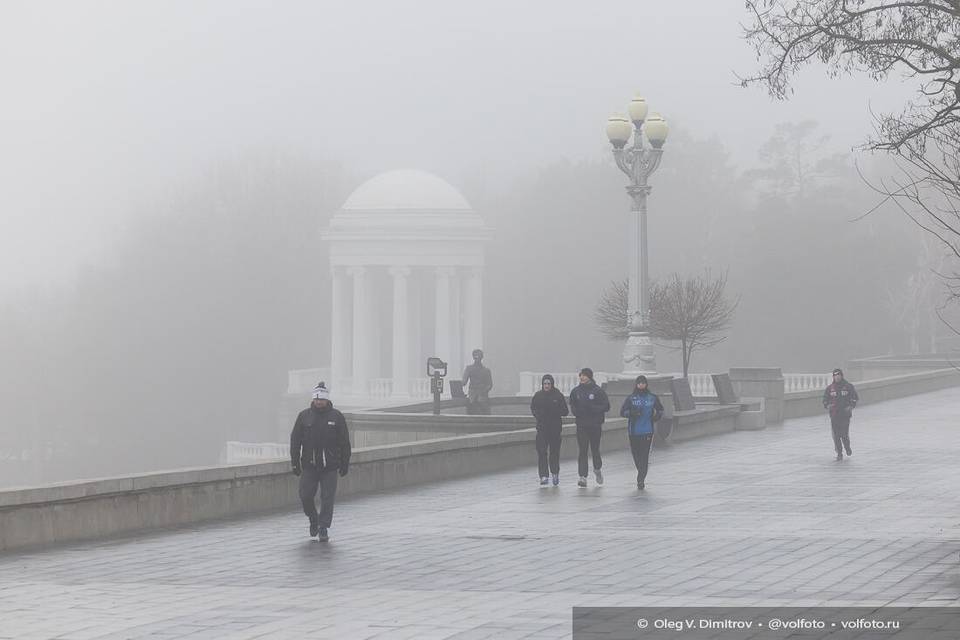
point(549, 407)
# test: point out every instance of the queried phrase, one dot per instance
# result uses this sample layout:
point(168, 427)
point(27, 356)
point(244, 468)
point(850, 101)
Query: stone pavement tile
point(749, 518)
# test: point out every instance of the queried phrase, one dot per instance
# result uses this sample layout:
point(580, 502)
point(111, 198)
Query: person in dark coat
point(589, 403)
point(839, 399)
point(319, 453)
point(549, 406)
point(642, 409)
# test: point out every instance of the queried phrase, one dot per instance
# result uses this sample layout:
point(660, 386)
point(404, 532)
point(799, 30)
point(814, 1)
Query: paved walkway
point(751, 518)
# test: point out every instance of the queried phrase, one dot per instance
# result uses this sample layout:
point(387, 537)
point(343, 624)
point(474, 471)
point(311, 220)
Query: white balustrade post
point(442, 332)
point(361, 339)
point(401, 334)
point(456, 323)
point(339, 331)
point(473, 310)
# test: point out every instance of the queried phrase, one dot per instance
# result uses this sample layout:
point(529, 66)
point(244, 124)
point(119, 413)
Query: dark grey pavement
point(751, 518)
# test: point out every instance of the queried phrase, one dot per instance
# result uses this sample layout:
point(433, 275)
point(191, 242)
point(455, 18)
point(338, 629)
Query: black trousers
point(588, 438)
point(640, 448)
point(548, 450)
point(310, 479)
point(840, 425)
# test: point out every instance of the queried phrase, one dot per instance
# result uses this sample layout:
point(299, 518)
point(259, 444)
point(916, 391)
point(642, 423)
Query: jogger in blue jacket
point(642, 409)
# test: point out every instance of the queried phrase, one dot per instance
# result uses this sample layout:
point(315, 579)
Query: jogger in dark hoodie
point(589, 403)
point(642, 409)
point(319, 451)
point(548, 407)
point(840, 398)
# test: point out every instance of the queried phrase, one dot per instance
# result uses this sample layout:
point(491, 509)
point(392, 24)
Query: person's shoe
point(599, 475)
point(582, 482)
point(314, 527)
point(544, 481)
point(556, 479)
point(323, 535)
point(839, 457)
point(640, 485)
point(849, 451)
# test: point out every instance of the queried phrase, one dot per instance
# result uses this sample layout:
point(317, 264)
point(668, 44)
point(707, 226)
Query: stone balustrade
point(701, 384)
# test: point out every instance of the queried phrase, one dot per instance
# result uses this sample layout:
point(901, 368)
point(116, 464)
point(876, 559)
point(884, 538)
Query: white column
point(456, 326)
point(473, 310)
point(401, 333)
point(339, 332)
point(418, 363)
point(442, 329)
point(361, 324)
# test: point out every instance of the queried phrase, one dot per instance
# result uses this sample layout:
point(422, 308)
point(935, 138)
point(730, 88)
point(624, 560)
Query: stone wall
point(810, 403)
point(82, 510)
point(75, 511)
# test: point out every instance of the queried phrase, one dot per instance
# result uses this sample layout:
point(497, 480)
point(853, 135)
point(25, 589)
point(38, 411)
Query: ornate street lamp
point(638, 162)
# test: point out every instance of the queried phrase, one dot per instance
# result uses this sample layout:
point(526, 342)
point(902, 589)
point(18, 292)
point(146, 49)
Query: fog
point(166, 169)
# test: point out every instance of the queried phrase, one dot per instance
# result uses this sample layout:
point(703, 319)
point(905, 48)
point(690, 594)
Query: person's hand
point(848, 411)
point(343, 471)
point(296, 470)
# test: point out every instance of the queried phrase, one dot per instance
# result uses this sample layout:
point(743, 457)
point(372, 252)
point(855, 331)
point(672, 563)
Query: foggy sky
point(109, 105)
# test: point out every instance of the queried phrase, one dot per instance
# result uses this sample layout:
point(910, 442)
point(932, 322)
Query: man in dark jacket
point(319, 451)
point(839, 399)
point(589, 403)
point(548, 407)
point(642, 409)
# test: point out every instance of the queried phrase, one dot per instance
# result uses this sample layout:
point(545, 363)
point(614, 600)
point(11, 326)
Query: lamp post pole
point(638, 162)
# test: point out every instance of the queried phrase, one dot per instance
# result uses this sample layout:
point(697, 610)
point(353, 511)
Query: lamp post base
point(638, 356)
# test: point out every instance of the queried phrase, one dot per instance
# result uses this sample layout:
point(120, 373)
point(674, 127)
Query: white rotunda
point(406, 258)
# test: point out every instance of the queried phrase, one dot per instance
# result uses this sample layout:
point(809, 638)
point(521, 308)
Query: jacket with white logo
point(840, 398)
point(641, 409)
point(319, 439)
point(589, 403)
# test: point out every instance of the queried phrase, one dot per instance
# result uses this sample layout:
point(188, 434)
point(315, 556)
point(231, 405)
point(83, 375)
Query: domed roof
point(406, 190)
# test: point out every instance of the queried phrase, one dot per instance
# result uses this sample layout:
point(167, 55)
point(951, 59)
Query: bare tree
point(610, 314)
point(691, 312)
point(912, 39)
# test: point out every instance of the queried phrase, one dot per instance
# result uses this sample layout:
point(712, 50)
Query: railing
point(795, 382)
point(255, 451)
point(701, 384)
point(565, 382)
point(382, 388)
point(420, 388)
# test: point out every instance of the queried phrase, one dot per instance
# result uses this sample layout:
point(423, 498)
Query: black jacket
point(320, 439)
point(589, 403)
point(840, 398)
point(549, 407)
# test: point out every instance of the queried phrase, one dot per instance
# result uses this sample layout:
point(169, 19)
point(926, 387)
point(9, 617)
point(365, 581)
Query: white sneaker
point(582, 482)
point(599, 475)
point(544, 481)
